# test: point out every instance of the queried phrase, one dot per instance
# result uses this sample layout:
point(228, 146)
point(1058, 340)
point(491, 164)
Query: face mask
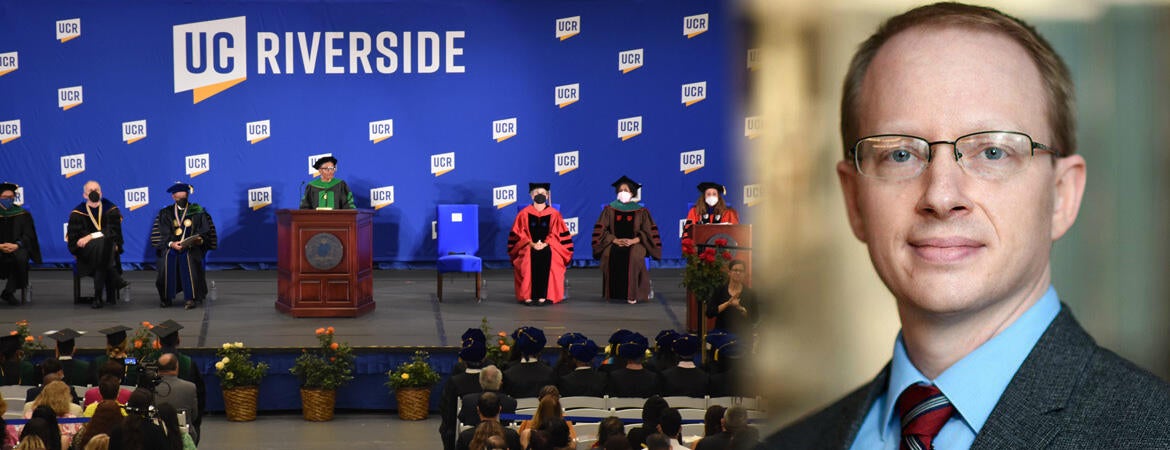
point(7, 202)
point(712, 201)
point(94, 196)
point(182, 202)
point(624, 196)
point(539, 199)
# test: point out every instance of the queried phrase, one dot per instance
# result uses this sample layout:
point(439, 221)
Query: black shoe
point(97, 303)
point(542, 302)
point(123, 285)
point(189, 305)
point(9, 298)
point(163, 305)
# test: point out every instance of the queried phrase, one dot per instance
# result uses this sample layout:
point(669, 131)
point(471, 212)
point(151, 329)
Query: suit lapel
point(855, 407)
point(1030, 412)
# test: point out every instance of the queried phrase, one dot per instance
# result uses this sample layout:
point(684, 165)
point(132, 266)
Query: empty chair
point(574, 402)
point(677, 401)
point(458, 233)
point(528, 402)
point(626, 402)
point(691, 413)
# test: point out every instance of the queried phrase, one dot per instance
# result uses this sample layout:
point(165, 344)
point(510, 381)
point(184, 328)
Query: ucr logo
point(629, 127)
point(442, 163)
point(504, 129)
point(68, 29)
point(381, 130)
point(258, 131)
point(313, 160)
point(752, 126)
point(567, 94)
point(566, 162)
point(568, 27)
point(69, 97)
point(503, 196)
point(133, 131)
point(72, 164)
point(753, 59)
point(682, 223)
point(630, 60)
point(9, 62)
point(381, 197)
point(695, 25)
point(752, 194)
point(137, 197)
point(694, 93)
point(19, 199)
point(210, 57)
point(571, 224)
point(197, 165)
point(9, 131)
point(259, 197)
point(692, 160)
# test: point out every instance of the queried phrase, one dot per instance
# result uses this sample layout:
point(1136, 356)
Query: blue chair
point(458, 230)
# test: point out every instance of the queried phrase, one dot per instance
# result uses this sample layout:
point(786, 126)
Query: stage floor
point(407, 313)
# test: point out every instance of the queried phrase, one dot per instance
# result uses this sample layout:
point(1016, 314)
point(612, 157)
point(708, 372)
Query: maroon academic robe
point(636, 223)
point(560, 244)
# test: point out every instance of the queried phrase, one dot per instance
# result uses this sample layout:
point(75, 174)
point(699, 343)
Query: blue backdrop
point(79, 78)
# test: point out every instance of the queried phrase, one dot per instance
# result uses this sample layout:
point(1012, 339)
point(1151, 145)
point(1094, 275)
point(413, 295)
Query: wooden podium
point(739, 243)
point(325, 261)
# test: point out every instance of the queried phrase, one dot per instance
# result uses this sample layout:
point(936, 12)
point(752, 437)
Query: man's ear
point(849, 178)
point(1068, 191)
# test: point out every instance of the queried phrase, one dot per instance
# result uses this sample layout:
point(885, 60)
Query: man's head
point(954, 238)
point(52, 366)
point(670, 423)
point(168, 364)
point(488, 405)
point(657, 441)
point(179, 193)
point(734, 419)
point(327, 167)
point(490, 378)
point(92, 191)
point(539, 192)
point(7, 195)
point(108, 387)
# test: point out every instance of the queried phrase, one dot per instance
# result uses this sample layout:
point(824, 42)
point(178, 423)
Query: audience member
point(462, 382)
point(106, 415)
point(657, 441)
point(547, 411)
point(558, 432)
point(54, 401)
point(168, 337)
point(617, 443)
point(651, 413)
point(56, 440)
point(670, 425)
point(712, 423)
point(137, 431)
point(109, 390)
point(488, 409)
point(496, 442)
point(4, 444)
point(490, 380)
point(610, 427)
point(51, 370)
point(177, 436)
point(99, 442)
point(525, 379)
point(111, 369)
point(584, 380)
point(177, 392)
point(736, 434)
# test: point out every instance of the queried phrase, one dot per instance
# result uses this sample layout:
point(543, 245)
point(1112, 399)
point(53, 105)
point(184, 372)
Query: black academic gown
point(100, 258)
point(524, 380)
point(587, 382)
point(625, 382)
point(16, 227)
point(17, 373)
point(457, 386)
point(333, 194)
point(680, 381)
point(169, 227)
point(77, 372)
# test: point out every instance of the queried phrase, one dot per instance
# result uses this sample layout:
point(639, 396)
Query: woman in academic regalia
point(623, 237)
point(710, 208)
point(327, 192)
point(540, 247)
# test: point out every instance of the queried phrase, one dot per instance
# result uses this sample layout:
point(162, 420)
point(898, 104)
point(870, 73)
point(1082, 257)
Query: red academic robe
point(695, 217)
point(559, 242)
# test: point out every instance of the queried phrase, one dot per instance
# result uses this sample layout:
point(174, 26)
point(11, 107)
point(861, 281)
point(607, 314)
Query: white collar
point(64, 358)
point(583, 368)
point(470, 370)
point(529, 359)
point(686, 364)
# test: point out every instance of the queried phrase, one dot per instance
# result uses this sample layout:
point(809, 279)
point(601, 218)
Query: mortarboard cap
point(9, 344)
point(535, 186)
point(473, 351)
point(584, 350)
point(569, 338)
point(64, 335)
point(115, 334)
point(328, 159)
point(529, 340)
point(180, 186)
point(473, 334)
point(665, 339)
point(6, 186)
point(710, 185)
point(686, 345)
point(634, 347)
point(619, 336)
point(634, 186)
point(167, 332)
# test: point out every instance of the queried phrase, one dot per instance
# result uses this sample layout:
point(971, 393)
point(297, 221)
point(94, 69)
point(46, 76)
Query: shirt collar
point(529, 359)
point(975, 383)
point(64, 358)
point(686, 364)
point(470, 370)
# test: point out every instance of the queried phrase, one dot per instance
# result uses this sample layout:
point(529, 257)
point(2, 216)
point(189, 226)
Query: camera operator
point(138, 430)
point(176, 391)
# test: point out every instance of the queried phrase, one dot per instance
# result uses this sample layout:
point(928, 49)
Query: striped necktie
point(924, 410)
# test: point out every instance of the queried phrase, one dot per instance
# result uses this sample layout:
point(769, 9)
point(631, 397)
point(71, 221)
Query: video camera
point(147, 371)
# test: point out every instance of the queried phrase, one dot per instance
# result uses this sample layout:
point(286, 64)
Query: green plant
point(142, 344)
point(498, 351)
point(705, 272)
point(414, 374)
point(327, 367)
point(235, 368)
point(28, 343)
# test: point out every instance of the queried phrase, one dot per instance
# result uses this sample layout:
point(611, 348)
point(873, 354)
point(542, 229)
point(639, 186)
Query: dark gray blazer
point(1069, 394)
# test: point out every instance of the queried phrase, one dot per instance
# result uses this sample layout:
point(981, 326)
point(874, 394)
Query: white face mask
point(712, 200)
point(624, 196)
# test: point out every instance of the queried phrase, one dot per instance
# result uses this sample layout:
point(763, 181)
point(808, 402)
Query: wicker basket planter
point(240, 403)
point(317, 404)
point(413, 403)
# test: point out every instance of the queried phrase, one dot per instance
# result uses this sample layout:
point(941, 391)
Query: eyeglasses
point(328, 169)
point(990, 155)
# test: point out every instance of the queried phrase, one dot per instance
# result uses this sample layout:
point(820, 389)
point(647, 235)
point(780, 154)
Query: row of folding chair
point(618, 403)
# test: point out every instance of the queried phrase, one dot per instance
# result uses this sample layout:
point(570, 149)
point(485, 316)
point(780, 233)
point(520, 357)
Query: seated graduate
point(633, 380)
point(623, 237)
point(95, 238)
point(183, 233)
point(14, 370)
point(584, 380)
point(18, 243)
point(76, 371)
point(540, 247)
point(327, 192)
point(710, 208)
point(524, 379)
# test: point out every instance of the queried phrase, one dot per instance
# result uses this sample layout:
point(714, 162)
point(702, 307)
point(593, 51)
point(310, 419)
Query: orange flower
point(332, 359)
point(333, 346)
point(329, 330)
point(501, 334)
point(501, 342)
point(12, 333)
point(320, 331)
point(28, 339)
point(22, 323)
point(156, 344)
point(504, 348)
point(137, 343)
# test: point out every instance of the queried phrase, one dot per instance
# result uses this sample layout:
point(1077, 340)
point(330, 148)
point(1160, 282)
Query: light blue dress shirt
point(973, 384)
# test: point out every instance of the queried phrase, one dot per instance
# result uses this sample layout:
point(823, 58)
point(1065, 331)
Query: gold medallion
point(187, 223)
point(178, 232)
point(176, 223)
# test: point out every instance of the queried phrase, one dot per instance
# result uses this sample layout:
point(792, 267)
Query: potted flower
point(142, 344)
point(321, 372)
point(412, 383)
point(499, 350)
point(239, 379)
point(704, 274)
